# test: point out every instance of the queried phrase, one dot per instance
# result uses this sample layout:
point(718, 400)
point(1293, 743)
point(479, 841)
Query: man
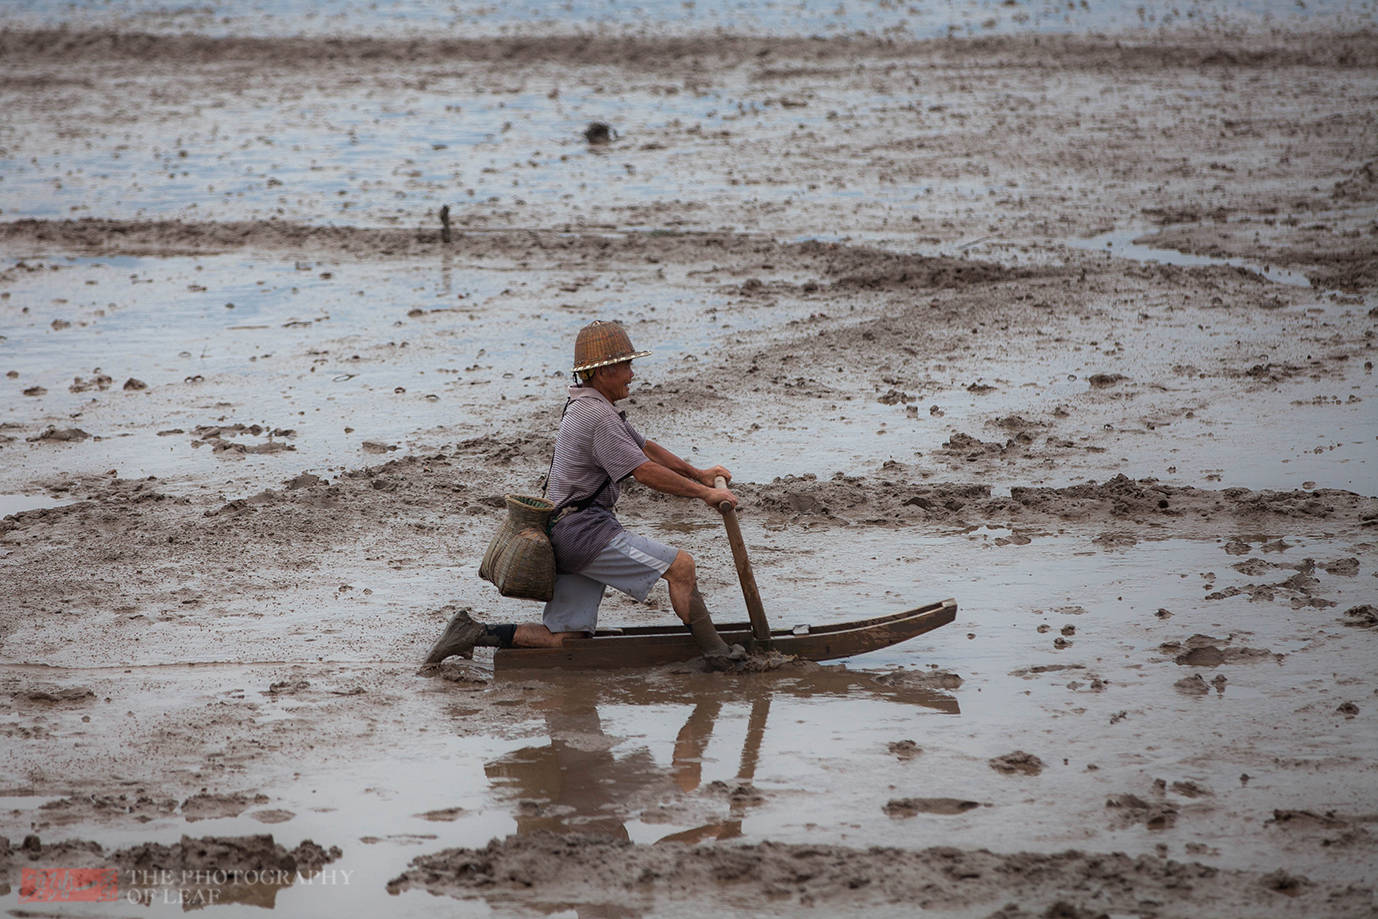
point(595, 450)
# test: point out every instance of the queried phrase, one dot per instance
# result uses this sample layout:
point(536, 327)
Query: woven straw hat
point(602, 343)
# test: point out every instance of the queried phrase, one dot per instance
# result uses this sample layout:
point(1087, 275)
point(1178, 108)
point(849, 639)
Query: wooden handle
point(760, 628)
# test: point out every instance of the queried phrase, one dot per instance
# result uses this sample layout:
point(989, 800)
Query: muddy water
point(1129, 244)
point(813, 756)
point(354, 358)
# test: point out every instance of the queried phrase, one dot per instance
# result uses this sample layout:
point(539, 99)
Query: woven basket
point(519, 560)
point(526, 567)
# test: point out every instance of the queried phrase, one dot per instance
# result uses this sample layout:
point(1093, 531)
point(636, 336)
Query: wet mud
point(593, 871)
point(1076, 330)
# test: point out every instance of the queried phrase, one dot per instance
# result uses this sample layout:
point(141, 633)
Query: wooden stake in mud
point(760, 628)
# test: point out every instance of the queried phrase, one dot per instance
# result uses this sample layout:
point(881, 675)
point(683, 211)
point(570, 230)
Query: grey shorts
point(630, 563)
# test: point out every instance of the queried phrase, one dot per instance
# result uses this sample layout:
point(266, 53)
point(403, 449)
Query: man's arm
point(664, 457)
point(663, 479)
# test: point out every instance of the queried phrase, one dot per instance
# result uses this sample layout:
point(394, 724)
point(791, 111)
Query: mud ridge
point(216, 853)
point(592, 869)
point(848, 267)
point(881, 499)
point(1186, 50)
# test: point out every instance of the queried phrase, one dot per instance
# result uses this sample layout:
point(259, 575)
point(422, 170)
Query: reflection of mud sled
point(649, 646)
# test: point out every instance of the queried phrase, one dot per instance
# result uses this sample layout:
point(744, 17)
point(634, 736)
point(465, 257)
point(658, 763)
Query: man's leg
point(538, 636)
point(464, 633)
point(571, 613)
point(689, 606)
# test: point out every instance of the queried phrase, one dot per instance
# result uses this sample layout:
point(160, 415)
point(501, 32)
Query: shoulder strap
point(582, 503)
point(585, 502)
point(545, 483)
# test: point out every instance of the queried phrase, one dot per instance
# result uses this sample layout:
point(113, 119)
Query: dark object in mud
point(928, 679)
point(1194, 685)
point(1362, 617)
point(904, 749)
point(445, 223)
point(1017, 762)
point(910, 807)
point(1282, 882)
point(47, 692)
point(600, 132)
point(1205, 651)
point(65, 435)
point(1347, 567)
point(649, 646)
point(1131, 809)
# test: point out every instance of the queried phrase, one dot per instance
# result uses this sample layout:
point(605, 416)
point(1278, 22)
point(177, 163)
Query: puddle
point(630, 756)
point(15, 504)
point(1121, 244)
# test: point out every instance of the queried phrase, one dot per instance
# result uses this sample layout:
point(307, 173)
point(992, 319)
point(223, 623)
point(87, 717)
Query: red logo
point(69, 885)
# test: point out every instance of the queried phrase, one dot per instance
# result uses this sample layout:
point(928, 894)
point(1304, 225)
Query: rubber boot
point(716, 652)
point(459, 637)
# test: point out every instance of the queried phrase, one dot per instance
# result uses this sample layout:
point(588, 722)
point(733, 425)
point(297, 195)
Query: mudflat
point(1078, 330)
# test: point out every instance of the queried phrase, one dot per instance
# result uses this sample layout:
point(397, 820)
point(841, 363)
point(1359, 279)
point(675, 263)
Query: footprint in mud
point(901, 808)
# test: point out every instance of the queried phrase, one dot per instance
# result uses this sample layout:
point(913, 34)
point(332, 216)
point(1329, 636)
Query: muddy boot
point(715, 651)
point(726, 659)
point(459, 638)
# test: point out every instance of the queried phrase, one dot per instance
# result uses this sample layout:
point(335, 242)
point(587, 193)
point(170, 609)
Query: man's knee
point(681, 570)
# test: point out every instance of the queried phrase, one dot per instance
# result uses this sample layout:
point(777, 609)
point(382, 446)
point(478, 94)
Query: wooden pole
point(760, 628)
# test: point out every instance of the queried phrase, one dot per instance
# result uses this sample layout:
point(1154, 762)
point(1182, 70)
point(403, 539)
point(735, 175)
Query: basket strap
point(545, 483)
point(572, 506)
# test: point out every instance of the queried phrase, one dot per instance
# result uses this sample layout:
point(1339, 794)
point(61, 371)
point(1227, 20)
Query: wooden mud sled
point(650, 646)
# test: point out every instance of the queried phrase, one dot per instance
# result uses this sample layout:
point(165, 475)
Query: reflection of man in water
point(576, 785)
point(596, 449)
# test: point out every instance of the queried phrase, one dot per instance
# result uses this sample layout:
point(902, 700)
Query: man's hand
point(706, 476)
point(716, 496)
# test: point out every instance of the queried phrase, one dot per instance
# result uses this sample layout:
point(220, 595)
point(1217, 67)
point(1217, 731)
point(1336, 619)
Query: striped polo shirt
point(595, 443)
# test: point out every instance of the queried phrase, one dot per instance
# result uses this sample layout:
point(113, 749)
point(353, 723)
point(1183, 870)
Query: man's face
point(617, 380)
